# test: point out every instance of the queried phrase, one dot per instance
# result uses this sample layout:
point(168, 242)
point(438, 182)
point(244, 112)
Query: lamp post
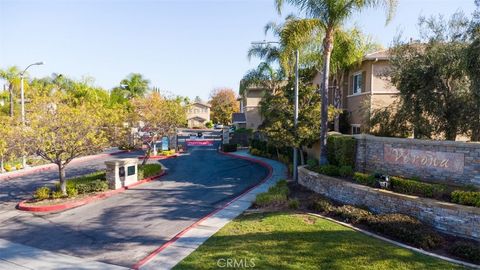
point(22, 101)
point(295, 102)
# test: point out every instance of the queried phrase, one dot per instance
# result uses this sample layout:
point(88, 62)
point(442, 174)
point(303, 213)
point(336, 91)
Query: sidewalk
point(20, 257)
point(174, 251)
point(51, 166)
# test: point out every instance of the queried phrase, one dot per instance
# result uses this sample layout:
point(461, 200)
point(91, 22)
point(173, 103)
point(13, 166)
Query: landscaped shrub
point(350, 214)
point(404, 228)
point(82, 188)
point(276, 195)
point(329, 170)
point(365, 179)
point(148, 170)
point(412, 187)
point(345, 171)
point(7, 167)
point(293, 203)
point(466, 250)
point(42, 193)
point(72, 192)
point(56, 195)
point(471, 198)
point(98, 186)
point(311, 162)
point(229, 147)
point(321, 205)
point(341, 150)
point(18, 166)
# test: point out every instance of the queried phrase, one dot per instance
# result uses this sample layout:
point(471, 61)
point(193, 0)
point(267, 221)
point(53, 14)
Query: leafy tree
point(223, 102)
point(9, 139)
point(60, 132)
point(12, 76)
point(432, 79)
point(473, 69)
point(331, 15)
point(134, 85)
point(160, 115)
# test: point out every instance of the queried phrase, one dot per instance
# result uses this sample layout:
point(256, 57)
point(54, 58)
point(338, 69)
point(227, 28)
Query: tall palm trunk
point(327, 53)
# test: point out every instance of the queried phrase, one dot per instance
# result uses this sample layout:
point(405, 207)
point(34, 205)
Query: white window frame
point(358, 90)
point(356, 126)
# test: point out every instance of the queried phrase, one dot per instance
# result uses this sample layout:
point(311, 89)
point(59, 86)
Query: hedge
point(229, 147)
point(471, 198)
point(412, 187)
point(341, 150)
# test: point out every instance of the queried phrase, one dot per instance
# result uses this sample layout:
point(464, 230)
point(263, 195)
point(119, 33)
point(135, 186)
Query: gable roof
point(380, 55)
point(201, 104)
point(238, 118)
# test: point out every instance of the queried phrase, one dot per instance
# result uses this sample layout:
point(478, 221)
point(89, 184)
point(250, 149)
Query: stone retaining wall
point(447, 217)
point(449, 162)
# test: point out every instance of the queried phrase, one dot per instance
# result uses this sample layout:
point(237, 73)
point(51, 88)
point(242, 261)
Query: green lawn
point(297, 241)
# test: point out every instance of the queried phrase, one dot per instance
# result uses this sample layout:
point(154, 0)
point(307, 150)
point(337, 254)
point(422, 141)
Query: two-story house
point(365, 89)
point(198, 115)
point(249, 115)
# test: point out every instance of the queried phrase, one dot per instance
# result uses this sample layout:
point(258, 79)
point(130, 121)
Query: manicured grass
point(279, 240)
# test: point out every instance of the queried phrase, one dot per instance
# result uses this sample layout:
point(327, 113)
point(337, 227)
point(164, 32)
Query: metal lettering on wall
point(453, 162)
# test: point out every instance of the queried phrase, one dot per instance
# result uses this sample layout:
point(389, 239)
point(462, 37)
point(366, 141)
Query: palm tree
point(265, 77)
point(134, 85)
point(331, 14)
point(12, 76)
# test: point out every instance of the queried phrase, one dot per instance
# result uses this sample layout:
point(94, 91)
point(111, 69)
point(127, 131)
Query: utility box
point(121, 172)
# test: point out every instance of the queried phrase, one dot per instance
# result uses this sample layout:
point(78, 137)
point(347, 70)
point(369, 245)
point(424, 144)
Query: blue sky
point(187, 47)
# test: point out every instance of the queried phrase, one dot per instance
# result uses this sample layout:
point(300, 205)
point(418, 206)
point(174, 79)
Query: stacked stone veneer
point(449, 162)
point(447, 217)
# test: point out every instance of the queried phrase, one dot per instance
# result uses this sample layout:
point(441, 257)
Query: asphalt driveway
point(125, 228)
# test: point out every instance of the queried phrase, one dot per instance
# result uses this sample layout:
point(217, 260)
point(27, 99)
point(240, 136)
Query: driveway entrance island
point(125, 228)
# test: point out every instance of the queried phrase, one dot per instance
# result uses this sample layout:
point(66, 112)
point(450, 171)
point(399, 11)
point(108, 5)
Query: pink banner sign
point(199, 143)
point(453, 162)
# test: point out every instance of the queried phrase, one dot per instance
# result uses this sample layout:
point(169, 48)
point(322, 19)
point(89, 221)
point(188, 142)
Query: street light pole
point(295, 117)
point(22, 102)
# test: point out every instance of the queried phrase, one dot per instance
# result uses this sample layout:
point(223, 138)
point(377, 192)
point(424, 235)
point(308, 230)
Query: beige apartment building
point(198, 115)
point(250, 108)
point(366, 89)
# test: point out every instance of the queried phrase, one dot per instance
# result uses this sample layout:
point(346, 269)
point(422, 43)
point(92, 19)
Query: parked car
point(218, 126)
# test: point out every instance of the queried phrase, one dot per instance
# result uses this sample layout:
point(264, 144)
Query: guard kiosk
point(121, 172)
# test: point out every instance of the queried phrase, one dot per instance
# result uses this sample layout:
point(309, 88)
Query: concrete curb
point(60, 207)
point(185, 242)
point(160, 157)
point(51, 166)
point(475, 266)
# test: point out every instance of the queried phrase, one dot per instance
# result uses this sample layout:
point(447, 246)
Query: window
point(357, 83)
point(356, 129)
point(130, 170)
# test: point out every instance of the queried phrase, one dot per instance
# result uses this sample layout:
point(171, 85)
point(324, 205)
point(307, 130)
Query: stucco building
point(198, 115)
point(250, 107)
point(365, 89)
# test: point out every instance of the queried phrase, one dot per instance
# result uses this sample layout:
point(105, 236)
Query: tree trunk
point(1, 165)
point(12, 99)
point(327, 52)
point(302, 158)
point(61, 175)
point(147, 155)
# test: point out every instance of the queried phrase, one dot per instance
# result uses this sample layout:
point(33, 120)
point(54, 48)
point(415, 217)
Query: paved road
point(125, 228)
point(20, 188)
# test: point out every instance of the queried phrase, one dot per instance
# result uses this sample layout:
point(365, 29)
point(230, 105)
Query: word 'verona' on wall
point(453, 162)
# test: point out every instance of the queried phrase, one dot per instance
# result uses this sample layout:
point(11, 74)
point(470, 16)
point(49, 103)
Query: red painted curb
point(177, 236)
point(160, 157)
point(51, 166)
point(59, 207)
